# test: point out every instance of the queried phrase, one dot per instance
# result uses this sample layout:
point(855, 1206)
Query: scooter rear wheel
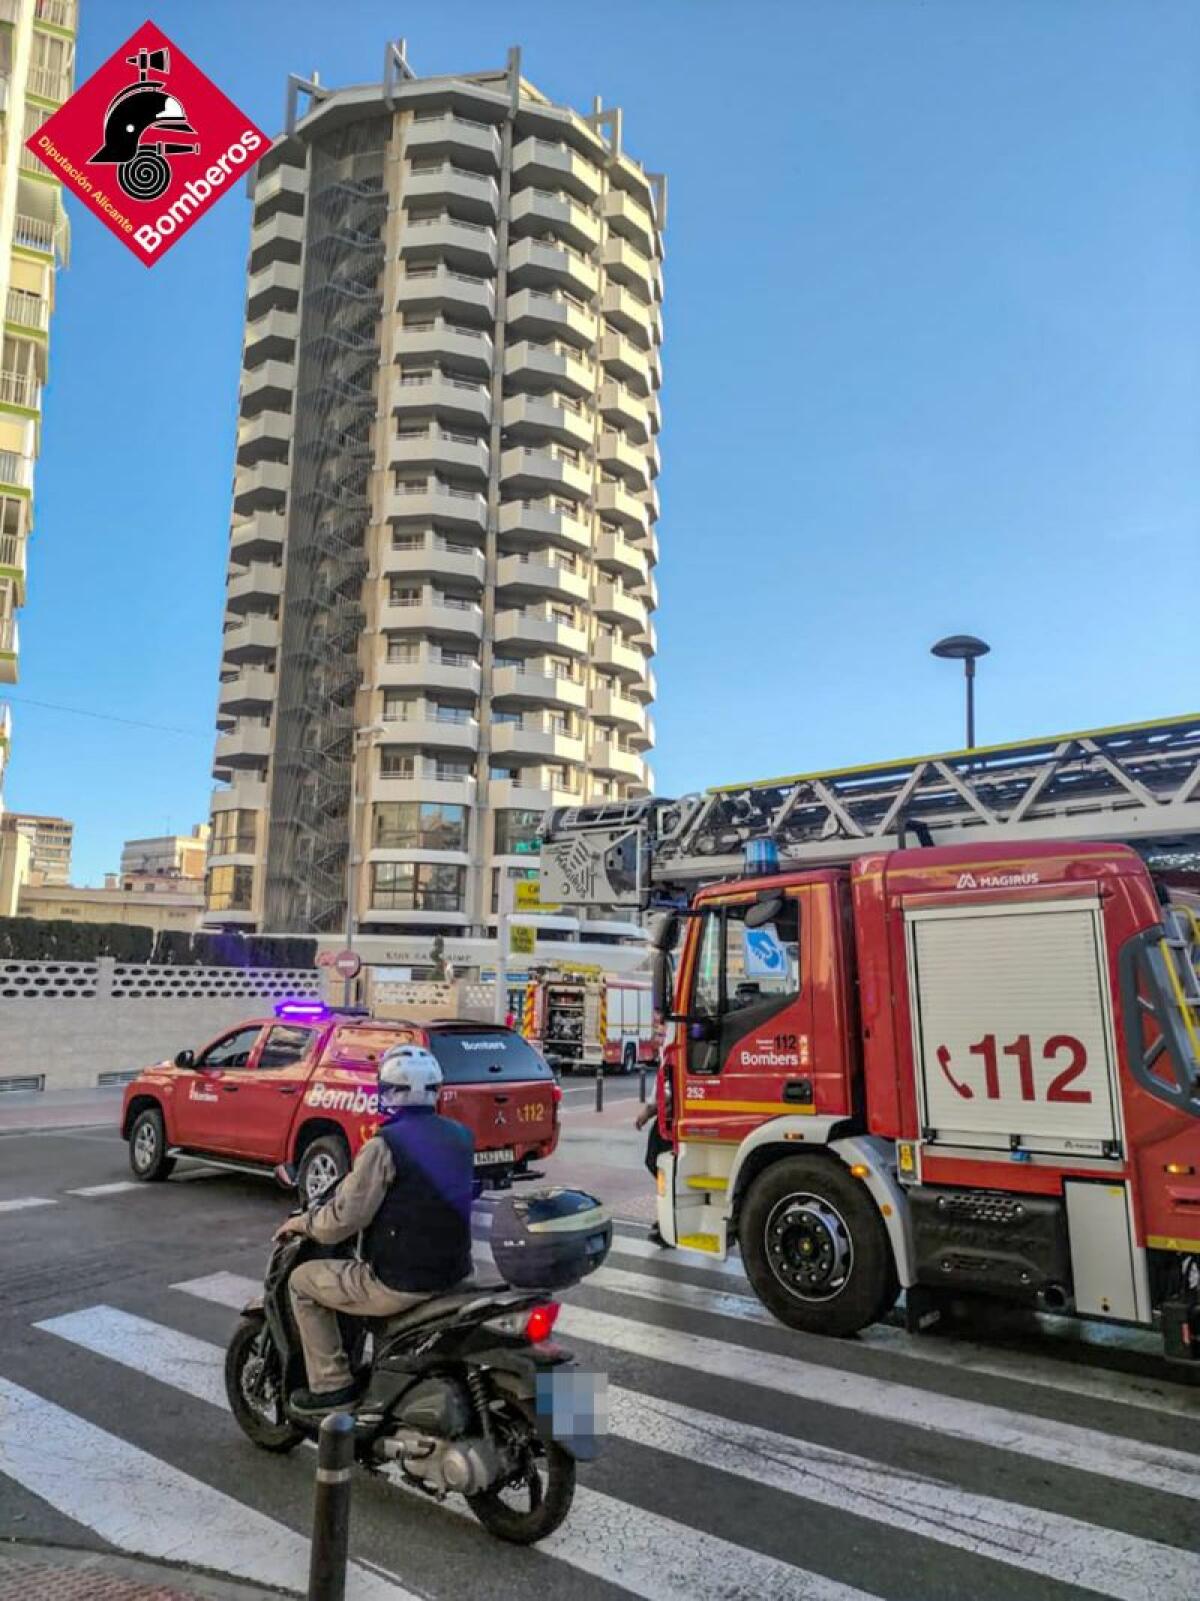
point(530, 1508)
point(261, 1416)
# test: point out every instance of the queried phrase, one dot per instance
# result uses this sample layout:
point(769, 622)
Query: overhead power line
point(106, 717)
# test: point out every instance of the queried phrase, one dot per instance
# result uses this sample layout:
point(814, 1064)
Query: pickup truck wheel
point(324, 1162)
point(148, 1157)
point(629, 1059)
point(815, 1247)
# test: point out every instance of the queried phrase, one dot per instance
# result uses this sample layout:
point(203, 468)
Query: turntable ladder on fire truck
point(1138, 783)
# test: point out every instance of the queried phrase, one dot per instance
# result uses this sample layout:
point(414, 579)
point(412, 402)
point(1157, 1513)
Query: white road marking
point(143, 1505)
point(25, 1202)
point(112, 1189)
point(652, 1556)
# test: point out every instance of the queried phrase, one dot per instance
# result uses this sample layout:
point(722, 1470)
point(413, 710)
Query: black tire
point(270, 1433)
point(548, 1507)
point(148, 1159)
point(325, 1160)
point(815, 1248)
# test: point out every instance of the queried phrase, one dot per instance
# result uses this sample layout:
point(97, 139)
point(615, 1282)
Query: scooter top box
point(549, 1239)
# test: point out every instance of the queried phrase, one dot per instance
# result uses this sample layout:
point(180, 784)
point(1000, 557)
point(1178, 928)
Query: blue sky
point(931, 366)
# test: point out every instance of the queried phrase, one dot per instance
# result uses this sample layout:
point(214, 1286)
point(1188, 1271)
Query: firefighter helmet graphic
point(145, 109)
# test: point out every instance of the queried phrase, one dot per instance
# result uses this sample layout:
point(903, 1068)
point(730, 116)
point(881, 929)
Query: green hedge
point(30, 939)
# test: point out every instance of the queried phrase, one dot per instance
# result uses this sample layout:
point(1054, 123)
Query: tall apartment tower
point(442, 559)
point(37, 67)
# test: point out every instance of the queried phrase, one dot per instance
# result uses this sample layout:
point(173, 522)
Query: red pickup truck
point(301, 1087)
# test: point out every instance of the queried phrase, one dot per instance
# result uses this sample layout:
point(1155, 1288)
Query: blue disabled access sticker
point(762, 953)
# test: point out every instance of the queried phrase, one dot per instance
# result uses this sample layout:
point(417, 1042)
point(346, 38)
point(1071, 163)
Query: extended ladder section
point(1138, 783)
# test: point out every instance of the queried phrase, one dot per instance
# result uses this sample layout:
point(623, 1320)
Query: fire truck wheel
point(148, 1157)
point(325, 1161)
point(815, 1248)
point(629, 1060)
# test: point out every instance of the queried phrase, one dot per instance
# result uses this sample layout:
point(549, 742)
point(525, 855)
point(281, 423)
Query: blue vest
point(420, 1238)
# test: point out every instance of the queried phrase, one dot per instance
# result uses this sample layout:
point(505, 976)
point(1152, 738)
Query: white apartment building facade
point(441, 583)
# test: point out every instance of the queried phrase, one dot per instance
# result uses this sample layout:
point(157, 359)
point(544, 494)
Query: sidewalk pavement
point(51, 1109)
point(30, 1572)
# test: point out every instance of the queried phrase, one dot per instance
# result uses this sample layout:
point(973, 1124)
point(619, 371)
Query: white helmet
point(409, 1075)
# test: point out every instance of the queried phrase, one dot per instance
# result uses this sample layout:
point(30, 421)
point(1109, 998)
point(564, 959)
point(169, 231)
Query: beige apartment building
point(441, 581)
point(178, 856)
point(50, 841)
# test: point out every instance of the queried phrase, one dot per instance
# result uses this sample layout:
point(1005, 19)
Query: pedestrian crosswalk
point(745, 1461)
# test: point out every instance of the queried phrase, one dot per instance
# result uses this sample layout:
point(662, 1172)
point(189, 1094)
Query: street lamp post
point(361, 737)
point(966, 649)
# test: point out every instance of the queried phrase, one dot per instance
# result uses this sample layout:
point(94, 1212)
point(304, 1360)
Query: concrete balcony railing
point(474, 194)
point(606, 756)
point(607, 706)
point(427, 782)
point(617, 455)
point(629, 266)
point(16, 469)
point(536, 627)
point(558, 365)
point(422, 728)
point(432, 500)
point(267, 387)
point(454, 399)
point(262, 487)
point(462, 137)
point(271, 336)
point(27, 310)
point(536, 789)
point(611, 652)
point(425, 667)
point(614, 502)
point(251, 636)
point(425, 287)
point(540, 576)
point(531, 418)
point(629, 220)
point(249, 691)
point(49, 83)
point(633, 317)
point(285, 181)
point(468, 350)
point(536, 211)
point(277, 285)
point(539, 520)
point(255, 587)
point(248, 745)
point(547, 470)
point(550, 264)
point(613, 604)
point(535, 682)
point(58, 13)
point(435, 447)
point(535, 736)
point(20, 389)
point(468, 245)
point(551, 313)
point(547, 164)
point(620, 358)
point(12, 564)
point(258, 538)
point(613, 550)
point(264, 437)
point(434, 614)
point(437, 557)
point(620, 406)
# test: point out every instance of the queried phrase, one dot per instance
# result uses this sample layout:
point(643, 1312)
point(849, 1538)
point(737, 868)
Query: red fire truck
point(968, 1069)
point(583, 1019)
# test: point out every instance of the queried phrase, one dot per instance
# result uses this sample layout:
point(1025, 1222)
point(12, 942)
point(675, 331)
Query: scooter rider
point(409, 1194)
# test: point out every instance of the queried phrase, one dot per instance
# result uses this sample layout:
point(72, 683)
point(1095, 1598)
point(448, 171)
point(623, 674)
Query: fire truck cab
point(956, 1070)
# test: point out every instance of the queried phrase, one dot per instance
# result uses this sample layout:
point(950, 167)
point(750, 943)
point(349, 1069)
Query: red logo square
point(149, 143)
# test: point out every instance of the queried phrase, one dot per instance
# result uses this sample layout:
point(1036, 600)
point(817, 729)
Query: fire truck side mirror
point(765, 910)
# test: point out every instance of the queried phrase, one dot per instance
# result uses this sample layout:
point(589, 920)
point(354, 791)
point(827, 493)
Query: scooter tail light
point(540, 1323)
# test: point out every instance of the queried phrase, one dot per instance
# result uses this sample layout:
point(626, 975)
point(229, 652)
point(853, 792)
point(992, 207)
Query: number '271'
point(1056, 1047)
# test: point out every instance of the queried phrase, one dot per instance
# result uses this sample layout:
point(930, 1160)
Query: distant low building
point(50, 838)
point(176, 855)
point(159, 903)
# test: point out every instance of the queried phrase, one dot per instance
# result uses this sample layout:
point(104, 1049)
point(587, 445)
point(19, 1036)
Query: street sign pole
point(502, 922)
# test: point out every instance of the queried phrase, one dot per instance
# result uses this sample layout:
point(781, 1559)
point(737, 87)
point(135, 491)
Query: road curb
point(33, 1570)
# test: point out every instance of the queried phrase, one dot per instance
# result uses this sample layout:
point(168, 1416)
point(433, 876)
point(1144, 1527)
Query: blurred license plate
point(494, 1158)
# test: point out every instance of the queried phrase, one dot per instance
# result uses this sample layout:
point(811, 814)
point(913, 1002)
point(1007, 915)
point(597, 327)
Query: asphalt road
point(746, 1462)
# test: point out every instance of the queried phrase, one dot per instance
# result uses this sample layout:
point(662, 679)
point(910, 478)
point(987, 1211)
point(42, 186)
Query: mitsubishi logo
point(501, 1120)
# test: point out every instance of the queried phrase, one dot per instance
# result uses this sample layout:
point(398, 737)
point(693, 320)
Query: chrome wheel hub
point(321, 1172)
point(809, 1248)
point(145, 1146)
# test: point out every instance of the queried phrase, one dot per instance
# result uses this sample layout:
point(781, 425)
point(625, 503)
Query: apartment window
point(403, 650)
point(505, 716)
point(443, 712)
point(510, 773)
point(452, 770)
point(396, 763)
point(416, 886)
point(563, 614)
point(558, 668)
point(234, 832)
point(561, 723)
point(457, 658)
point(400, 594)
point(407, 541)
point(230, 889)
point(413, 825)
point(517, 832)
point(399, 707)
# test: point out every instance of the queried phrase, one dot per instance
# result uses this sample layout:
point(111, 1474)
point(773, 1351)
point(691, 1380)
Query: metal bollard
point(642, 1084)
point(331, 1509)
point(600, 1087)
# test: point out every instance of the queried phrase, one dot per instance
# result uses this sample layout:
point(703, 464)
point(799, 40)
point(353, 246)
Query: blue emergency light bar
point(301, 1011)
point(759, 856)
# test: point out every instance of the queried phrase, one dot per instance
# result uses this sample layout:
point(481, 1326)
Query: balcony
point(425, 729)
point(555, 366)
point(433, 614)
point(57, 13)
point(612, 653)
point(629, 220)
point(262, 487)
point(647, 638)
point(267, 387)
point(627, 611)
point(534, 211)
point(536, 683)
point(606, 756)
point(425, 668)
point(248, 745)
point(551, 264)
point(435, 446)
point(251, 691)
point(535, 790)
point(284, 186)
point(433, 500)
point(470, 246)
point(472, 194)
point(245, 793)
point(255, 588)
point(613, 550)
point(425, 784)
point(546, 164)
point(21, 389)
point(533, 417)
point(271, 336)
point(536, 737)
point(615, 503)
point(545, 471)
point(607, 706)
point(620, 406)
point(537, 575)
point(259, 538)
point(537, 628)
point(467, 141)
point(546, 519)
point(12, 565)
point(273, 288)
point(456, 399)
point(266, 437)
point(16, 469)
point(253, 636)
point(623, 360)
point(27, 310)
point(467, 349)
point(617, 455)
point(49, 83)
point(551, 314)
point(10, 649)
point(631, 316)
point(629, 266)
point(429, 288)
point(278, 237)
point(437, 557)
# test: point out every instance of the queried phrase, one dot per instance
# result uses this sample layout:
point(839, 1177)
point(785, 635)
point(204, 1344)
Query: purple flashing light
point(301, 1011)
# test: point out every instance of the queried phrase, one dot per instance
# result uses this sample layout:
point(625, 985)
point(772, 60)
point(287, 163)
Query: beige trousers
point(319, 1290)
